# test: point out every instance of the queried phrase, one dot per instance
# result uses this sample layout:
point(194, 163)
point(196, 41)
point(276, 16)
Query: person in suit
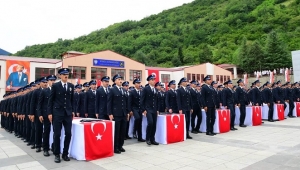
point(101, 99)
point(125, 86)
point(134, 107)
point(17, 78)
point(90, 101)
point(29, 127)
point(278, 94)
point(60, 112)
point(209, 105)
point(196, 106)
point(220, 90)
point(149, 108)
point(117, 111)
point(81, 99)
point(42, 111)
point(229, 103)
point(171, 99)
point(290, 99)
point(241, 97)
point(160, 97)
point(214, 85)
point(256, 94)
point(268, 99)
point(78, 88)
point(184, 103)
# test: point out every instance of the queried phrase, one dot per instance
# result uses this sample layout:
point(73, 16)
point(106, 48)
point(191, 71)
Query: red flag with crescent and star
point(256, 115)
point(175, 128)
point(298, 109)
point(154, 72)
point(280, 111)
point(224, 120)
point(98, 139)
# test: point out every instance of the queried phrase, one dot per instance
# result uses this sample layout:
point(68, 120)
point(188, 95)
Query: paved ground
point(270, 146)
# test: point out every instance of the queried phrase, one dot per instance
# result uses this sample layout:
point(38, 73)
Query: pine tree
point(206, 55)
point(277, 55)
point(180, 55)
point(255, 57)
point(243, 56)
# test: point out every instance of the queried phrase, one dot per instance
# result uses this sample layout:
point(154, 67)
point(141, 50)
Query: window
point(202, 77)
point(98, 73)
point(218, 78)
point(221, 79)
point(198, 78)
point(133, 74)
point(165, 78)
point(228, 77)
point(225, 78)
point(188, 76)
point(193, 77)
point(43, 72)
point(118, 71)
point(77, 72)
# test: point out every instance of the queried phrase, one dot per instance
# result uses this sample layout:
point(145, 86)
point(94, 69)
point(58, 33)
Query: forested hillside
point(217, 31)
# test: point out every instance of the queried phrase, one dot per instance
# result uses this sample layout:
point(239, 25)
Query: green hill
point(201, 31)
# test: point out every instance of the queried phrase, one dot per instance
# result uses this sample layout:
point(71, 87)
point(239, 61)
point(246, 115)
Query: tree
point(277, 56)
point(176, 62)
point(255, 57)
point(205, 55)
point(180, 55)
point(242, 56)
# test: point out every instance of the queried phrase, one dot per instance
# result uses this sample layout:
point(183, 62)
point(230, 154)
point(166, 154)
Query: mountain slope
point(201, 31)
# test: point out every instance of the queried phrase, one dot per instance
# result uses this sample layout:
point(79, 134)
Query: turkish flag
point(98, 83)
point(98, 138)
point(298, 109)
point(280, 111)
point(224, 120)
point(154, 72)
point(256, 115)
point(175, 128)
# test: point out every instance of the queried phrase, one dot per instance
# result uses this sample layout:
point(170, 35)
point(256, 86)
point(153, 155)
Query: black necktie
point(138, 92)
point(65, 87)
point(94, 92)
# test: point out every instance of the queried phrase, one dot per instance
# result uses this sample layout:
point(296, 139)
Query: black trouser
point(291, 107)
point(7, 121)
point(120, 127)
point(282, 102)
point(10, 122)
point(127, 127)
point(32, 133)
point(46, 134)
point(151, 127)
point(271, 111)
point(138, 119)
point(28, 128)
point(243, 114)
point(91, 115)
point(210, 119)
point(16, 124)
point(187, 115)
point(20, 127)
point(2, 120)
point(38, 132)
point(58, 122)
point(196, 112)
point(232, 114)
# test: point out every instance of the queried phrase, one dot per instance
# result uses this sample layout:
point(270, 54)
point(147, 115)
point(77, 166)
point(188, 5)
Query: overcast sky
point(29, 22)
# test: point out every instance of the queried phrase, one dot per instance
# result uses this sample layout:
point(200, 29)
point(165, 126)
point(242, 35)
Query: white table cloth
point(249, 118)
point(296, 110)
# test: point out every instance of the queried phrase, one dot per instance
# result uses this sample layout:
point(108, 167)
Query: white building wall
point(296, 65)
point(209, 69)
point(2, 78)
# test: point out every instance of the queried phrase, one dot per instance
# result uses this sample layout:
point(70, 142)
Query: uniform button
point(64, 107)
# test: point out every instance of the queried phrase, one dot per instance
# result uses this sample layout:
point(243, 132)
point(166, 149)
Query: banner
point(246, 79)
point(287, 75)
point(271, 77)
point(17, 74)
point(154, 72)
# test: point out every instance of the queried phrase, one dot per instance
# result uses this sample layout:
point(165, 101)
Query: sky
point(28, 22)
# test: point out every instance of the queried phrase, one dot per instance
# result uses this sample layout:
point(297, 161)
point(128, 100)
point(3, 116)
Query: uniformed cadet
point(290, 99)
point(160, 98)
point(78, 89)
point(256, 94)
point(80, 106)
point(101, 99)
point(150, 109)
point(184, 103)
point(125, 86)
point(90, 101)
point(242, 101)
point(60, 112)
point(34, 115)
point(134, 107)
point(117, 111)
point(196, 106)
point(296, 92)
point(278, 94)
point(268, 99)
point(28, 97)
point(43, 131)
point(229, 103)
point(171, 99)
point(214, 85)
point(209, 105)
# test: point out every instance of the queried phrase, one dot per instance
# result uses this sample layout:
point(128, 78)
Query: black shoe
point(243, 126)
point(22, 138)
point(141, 140)
point(271, 120)
point(209, 134)
point(46, 153)
point(194, 131)
point(198, 131)
point(262, 122)
point(25, 140)
point(148, 142)
point(57, 159)
point(189, 137)
point(154, 143)
point(38, 149)
point(134, 136)
point(233, 129)
point(213, 133)
point(117, 151)
point(122, 149)
point(65, 158)
point(18, 136)
point(128, 137)
point(28, 144)
point(33, 147)
point(293, 117)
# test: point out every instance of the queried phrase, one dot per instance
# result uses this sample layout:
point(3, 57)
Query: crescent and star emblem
point(172, 116)
point(223, 114)
point(99, 137)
